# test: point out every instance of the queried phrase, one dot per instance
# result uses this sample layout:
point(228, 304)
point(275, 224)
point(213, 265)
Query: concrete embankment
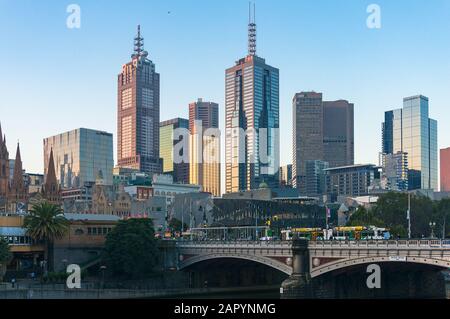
point(37, 293)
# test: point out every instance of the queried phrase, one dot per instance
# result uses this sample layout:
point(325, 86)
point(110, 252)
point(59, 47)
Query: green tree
point(364, 217)
point(131, 249)
point(391, 210)
point(442, 217)
point(45, 223)
point(5, 257)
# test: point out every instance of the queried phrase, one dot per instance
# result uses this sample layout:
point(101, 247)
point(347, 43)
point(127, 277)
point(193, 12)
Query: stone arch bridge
point(322, 256)
point(303, 260)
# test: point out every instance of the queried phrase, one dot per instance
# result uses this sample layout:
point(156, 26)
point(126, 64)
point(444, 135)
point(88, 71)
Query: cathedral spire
point(51, 175)
point(50, 189)
point(18, 195)
point(17, 181)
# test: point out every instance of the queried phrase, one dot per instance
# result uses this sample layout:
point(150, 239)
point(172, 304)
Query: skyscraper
point(323, 131)
point(252, 121)
point(204, 156)
point(387, 133)
point(79, 156)
point(138, 112)
point(413, 132)
point(307, 134)
point(171, 163)
point(338, 133)
point(445, 169)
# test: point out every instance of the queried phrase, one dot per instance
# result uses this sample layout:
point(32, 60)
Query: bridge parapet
point(412, 243)
point(238, 244)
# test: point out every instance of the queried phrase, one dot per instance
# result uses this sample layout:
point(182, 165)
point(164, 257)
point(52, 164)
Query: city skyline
point(367, 132)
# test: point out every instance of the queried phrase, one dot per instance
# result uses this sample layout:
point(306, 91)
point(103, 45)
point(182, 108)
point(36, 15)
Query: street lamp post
point(102, 284)
point(432, 225)
point(408, 216)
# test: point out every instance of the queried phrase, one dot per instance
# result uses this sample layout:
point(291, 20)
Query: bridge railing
point(438, 243)
point(259, 243)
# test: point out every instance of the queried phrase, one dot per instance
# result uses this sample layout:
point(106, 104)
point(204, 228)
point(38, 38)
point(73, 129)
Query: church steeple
point(4, 170)
point(18, 193)
point(17, 182)
point(50, 189)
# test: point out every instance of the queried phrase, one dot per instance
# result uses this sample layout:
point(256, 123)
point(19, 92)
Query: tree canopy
point(391, 210)
point(46, 222)
point(131, 248)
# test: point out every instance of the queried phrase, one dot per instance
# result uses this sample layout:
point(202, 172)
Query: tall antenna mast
point(138, 42)
point(251, 30)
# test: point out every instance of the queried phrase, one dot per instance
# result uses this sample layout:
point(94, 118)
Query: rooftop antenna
point(138, 43)
point(251, 30)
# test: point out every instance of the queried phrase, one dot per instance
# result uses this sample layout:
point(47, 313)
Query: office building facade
point(79, 156)
point(286, 175)
point(445, 169)
point(352, 180)
point(173, 164)
point(395, 171)
point(138, 113)
point(322, 130)
point(316, 177)
point(252, 121)
point(204, 154)
point(410, 130)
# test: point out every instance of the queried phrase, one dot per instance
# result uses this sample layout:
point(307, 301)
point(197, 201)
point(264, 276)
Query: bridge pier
point(298, 285)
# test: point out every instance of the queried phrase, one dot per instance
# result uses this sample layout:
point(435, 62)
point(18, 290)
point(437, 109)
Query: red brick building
point(445, 169)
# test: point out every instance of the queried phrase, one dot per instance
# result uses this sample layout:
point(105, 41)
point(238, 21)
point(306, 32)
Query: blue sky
point(55, 79)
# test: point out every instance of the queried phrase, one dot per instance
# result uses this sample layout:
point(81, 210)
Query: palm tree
point(45, 223)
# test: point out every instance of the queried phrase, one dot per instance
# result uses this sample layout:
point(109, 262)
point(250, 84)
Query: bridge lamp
point(432, 225)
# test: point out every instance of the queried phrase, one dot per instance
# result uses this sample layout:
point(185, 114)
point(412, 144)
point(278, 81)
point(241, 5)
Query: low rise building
point(352, 180)
point(85, 240)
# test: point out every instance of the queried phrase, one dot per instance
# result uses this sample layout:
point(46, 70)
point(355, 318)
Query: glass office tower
point(80, 156)
point(252, 93)
point(252, 121)
point(414, 133)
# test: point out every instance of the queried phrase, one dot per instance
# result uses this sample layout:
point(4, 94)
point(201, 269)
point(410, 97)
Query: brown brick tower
point(138, 113)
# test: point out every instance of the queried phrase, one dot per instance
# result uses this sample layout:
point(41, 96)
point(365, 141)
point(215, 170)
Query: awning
point(12, 231)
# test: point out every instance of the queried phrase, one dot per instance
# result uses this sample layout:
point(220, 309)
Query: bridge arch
point(275, 264)
point(345, 263)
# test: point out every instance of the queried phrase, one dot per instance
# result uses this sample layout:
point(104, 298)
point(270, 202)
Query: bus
point(376, 233)
point(348, 232)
